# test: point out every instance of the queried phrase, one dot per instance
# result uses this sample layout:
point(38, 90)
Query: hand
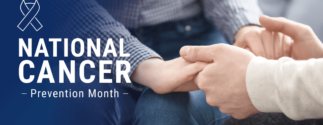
point(306, 44)
point(263, 42)
point(223, 80)
point(167, 76)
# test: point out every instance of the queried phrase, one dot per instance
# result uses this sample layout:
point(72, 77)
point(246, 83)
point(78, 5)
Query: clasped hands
point(223, 79)
point(220, 70)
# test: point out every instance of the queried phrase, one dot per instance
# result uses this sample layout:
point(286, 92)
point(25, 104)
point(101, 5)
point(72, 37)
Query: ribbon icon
point(29, 10)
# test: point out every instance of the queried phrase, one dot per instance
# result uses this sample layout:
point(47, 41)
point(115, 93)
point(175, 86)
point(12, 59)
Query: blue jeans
point(91, 111)
point(178, 108)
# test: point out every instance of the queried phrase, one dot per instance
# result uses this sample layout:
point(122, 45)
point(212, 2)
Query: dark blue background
point(16, 108)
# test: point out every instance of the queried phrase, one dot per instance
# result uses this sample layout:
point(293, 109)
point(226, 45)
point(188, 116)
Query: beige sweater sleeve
point(285, 85)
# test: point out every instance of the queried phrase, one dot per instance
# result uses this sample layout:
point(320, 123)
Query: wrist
point(244, 30)
point(146, 71)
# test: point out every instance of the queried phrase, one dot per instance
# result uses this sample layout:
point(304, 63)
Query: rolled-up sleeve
point(230, 15)
point(87, 19)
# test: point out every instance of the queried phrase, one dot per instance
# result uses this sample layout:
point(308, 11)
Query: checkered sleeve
point(230, 15)
point(87, 19)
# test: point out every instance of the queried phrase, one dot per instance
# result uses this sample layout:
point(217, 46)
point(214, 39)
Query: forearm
point(93, 21)
point(288, 86)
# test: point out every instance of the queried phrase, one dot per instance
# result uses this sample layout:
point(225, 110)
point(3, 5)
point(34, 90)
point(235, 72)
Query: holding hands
point(178, 74)
point(220, 70)
point(224, 79)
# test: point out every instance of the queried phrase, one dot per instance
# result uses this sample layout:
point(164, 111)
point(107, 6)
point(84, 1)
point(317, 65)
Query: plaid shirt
point(109, 18)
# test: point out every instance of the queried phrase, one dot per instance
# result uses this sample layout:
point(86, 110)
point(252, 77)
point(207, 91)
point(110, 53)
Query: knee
point(153, 108)
point(150, 99)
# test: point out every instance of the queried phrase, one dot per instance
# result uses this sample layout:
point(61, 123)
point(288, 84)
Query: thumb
point(285, 26)
point(197, 53)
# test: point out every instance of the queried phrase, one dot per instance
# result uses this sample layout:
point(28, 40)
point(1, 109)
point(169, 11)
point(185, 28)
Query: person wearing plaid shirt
point(153, 33)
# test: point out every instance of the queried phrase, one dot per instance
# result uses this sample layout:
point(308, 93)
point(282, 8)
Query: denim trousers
point(177, 108)
point(89, 111)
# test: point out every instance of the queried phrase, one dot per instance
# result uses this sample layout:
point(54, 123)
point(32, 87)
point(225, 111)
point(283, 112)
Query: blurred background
point(309, 12)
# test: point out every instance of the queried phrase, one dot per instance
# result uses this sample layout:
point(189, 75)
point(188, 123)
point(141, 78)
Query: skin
point(178, 74)
point(224, 79)
point(306, 44)
point(167, 76)
point(262, 42)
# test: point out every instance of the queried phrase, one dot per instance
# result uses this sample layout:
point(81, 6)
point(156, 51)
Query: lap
point(186, 108)
point(98, 111)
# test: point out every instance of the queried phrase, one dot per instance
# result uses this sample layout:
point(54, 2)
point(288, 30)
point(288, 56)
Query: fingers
point(267, 40)
point(188, 74)
point(288, 27)
point(197, 53)
point(257, 46)
point(193, 69)
point(286, 45)
point(278, 47)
